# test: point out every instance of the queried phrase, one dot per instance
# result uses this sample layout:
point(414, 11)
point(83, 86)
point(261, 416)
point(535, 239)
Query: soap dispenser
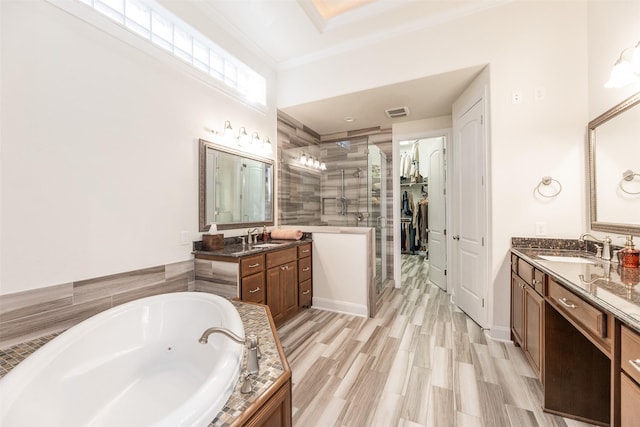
point(629, 255)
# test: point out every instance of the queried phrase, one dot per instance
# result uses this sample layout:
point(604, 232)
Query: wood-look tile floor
point(419, 362)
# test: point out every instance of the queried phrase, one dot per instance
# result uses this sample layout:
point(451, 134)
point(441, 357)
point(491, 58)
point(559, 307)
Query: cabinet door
point(274, 294)
point(289, 280)
point(629, 402)
point(533, 331)
point(517, 309)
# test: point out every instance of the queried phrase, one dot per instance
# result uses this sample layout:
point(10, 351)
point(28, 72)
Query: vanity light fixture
point(242, 140)
point(243, 137)
point(266, 145)
point(255, 140)
point(311, 162)
point(626, 70)
point(228, 130)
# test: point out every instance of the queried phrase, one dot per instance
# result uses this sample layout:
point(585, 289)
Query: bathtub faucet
point(252, 341)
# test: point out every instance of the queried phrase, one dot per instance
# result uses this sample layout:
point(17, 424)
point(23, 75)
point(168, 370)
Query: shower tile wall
point(347, 156)
point(299, 190)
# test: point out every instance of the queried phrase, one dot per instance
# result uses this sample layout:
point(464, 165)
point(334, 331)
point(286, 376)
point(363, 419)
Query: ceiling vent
point(394, 113)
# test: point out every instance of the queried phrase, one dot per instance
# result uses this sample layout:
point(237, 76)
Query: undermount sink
point(571, 259)
point(266, 245)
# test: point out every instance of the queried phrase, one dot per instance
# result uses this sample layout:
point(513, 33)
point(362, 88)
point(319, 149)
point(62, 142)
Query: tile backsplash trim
point(35, 313)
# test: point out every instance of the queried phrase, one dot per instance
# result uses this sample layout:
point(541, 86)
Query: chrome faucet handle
point(598, 251)
point(615, 255)
point(246, 385)
point(253, 355)
point(606, 251)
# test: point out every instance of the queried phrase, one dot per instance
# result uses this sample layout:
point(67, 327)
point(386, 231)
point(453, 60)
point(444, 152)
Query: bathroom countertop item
point(273, 366)
point(286, 234)
point(606, 285)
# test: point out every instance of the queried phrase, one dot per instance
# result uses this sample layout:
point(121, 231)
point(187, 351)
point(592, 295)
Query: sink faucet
point(252, 238)
point(251, 342)
point(606, 245)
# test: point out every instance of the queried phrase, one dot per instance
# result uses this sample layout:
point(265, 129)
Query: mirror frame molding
point(619, 228)
point(202, 196)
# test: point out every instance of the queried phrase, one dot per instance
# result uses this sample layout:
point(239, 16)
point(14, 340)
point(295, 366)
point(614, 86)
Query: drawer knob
point(257, 264)
point(304, 251)
point(567, 303)
point(306, 269)
point(284, 267)
point(254, 291)
point(308, 291)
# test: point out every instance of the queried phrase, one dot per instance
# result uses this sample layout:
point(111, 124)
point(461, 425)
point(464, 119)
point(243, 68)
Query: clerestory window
point(154, 23)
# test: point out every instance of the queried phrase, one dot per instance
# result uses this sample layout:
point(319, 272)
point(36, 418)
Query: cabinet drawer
point(583, 313)
point(304, 269)
point(253, 288)
point(630, 353)
point(304, 250)
point(281, 257)
point(251, 265)
point(304, 294)
point(533, 277)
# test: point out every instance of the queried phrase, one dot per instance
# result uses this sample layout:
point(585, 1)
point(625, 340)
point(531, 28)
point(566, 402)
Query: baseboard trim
point(340, 306)
point(500, 333)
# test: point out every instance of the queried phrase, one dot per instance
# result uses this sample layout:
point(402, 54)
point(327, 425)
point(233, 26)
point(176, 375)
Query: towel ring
point(628, 176)
point(547, 180)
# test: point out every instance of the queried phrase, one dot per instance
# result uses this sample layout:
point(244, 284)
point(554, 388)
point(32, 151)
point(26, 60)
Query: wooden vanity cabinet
point(305, 289)
point(282, 283)
point(252, 283)
point(527, 311)
point(629, 377)
point(279, 278)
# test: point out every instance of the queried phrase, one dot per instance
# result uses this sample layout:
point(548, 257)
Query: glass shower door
point(378, 202)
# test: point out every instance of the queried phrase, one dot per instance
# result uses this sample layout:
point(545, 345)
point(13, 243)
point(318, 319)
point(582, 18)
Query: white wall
point(99, 154)
point(613, 26)
point(341, 271)
point(528, 45)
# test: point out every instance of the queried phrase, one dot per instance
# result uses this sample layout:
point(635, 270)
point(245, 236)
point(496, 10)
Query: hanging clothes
point(424, 219)
point(407, 202)
point(405, 165)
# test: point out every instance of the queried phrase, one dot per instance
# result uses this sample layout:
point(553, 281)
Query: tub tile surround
point(30, 314)
point(255, 321)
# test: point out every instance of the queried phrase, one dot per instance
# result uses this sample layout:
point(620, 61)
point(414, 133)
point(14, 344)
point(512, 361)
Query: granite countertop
point(605, 284)
point(237, 250)
point(255, 320)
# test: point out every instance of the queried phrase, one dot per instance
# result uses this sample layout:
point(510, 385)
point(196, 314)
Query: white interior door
point(436, 222)
point(469, 213)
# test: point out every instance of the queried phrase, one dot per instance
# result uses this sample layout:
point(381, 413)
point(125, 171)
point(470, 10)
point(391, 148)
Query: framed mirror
point(235, 188)
point(614, 169)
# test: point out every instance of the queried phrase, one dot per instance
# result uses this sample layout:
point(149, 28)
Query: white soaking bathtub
point(138, 364)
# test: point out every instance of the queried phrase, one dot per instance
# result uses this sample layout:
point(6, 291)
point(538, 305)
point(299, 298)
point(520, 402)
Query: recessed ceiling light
point(349, 119)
